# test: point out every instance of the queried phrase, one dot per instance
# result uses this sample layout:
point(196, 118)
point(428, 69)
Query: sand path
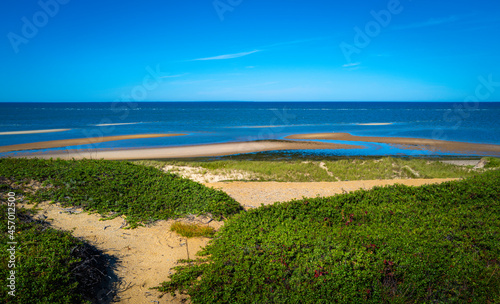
point(253, 194)
point(145, 255)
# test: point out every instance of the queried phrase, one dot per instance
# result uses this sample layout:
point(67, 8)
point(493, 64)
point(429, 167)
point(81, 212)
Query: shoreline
point(406, 143)
point(77, 141)
point(206, 150)
point(291, 142)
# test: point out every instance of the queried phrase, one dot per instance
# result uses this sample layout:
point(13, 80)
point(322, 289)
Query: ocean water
point(217, 122)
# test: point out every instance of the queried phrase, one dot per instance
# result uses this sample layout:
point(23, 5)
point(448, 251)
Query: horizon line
point(317, 101)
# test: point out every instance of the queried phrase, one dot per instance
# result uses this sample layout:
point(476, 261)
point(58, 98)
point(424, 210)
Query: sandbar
point(33, 131)
point(191, 151)
point(77, 142)
point(408, 143)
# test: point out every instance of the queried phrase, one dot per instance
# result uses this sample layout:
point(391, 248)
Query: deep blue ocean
point(217, 122)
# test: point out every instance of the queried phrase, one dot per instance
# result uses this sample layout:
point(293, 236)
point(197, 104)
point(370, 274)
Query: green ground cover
point(397, 244)
point(51, 266)
point(112, 188)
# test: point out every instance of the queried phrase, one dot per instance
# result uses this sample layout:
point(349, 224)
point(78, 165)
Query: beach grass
point(395, 244)
point(117, 188)
point(192, 230)
point(345, 169)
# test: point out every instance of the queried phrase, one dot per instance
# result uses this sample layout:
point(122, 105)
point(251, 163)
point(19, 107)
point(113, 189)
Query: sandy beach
point(191, 151)
point(408, 143)
point(77, 141)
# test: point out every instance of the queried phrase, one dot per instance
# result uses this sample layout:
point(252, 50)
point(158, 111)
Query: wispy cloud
point(428, 23)
point(351, 65)
point(228, 56)
point(174, 76)
point(260, 49)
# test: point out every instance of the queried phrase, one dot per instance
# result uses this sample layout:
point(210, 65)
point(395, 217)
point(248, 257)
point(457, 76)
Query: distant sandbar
point(407, 143)
point(192, 151)
point(77, 142)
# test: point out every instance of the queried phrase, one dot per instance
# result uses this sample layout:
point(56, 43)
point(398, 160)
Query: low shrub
point(493, 162)
point(397, 244)
point(51, 266)
point(113, 188)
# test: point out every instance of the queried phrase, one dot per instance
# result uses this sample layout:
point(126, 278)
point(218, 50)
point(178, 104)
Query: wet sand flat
point(407, 143)
point(192, 151)
point(77, 141)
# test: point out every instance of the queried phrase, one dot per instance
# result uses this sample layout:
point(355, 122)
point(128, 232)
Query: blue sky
point(250, 50)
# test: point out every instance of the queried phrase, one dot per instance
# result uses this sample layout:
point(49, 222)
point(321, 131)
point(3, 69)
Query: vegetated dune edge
point(147, 254)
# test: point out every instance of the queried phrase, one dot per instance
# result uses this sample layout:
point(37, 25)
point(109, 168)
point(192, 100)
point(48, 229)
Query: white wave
point(375, 124)
point(117, 124)
point(33, 131)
